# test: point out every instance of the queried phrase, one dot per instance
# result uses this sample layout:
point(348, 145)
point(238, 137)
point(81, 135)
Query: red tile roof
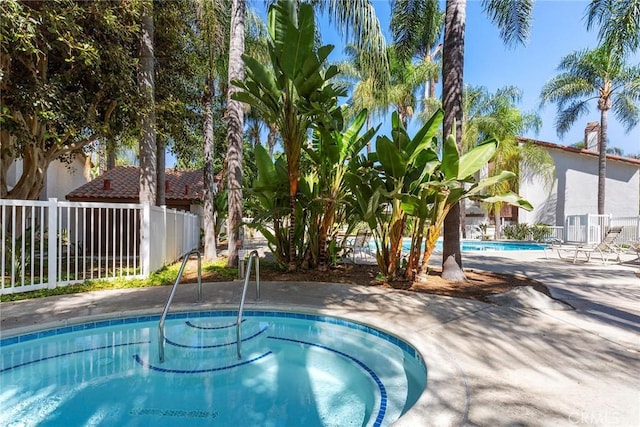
point(629, 160)
point(123, 183)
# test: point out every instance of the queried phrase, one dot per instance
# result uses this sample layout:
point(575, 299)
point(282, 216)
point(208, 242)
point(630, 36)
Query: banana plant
point(454, 179)
point(398, 167)
point(330, 152)
point(270, 189)
point(294, 93)
point(408, 178)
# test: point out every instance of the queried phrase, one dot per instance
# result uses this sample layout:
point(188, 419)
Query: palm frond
point(619, 23)
point(564, 88)
point(513, 18)
point(568, 116)
point(626, 111)
point(356, 20)
point(416, 26)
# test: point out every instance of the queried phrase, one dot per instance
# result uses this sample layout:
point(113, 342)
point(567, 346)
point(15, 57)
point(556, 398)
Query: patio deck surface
point(505, 364)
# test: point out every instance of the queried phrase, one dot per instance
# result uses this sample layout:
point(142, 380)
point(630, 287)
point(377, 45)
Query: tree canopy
point(66, 66)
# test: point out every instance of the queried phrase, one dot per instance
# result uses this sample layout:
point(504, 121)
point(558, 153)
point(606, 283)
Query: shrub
point(540, 232)
point(516, 231)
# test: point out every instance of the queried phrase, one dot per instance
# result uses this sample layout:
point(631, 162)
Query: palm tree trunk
point(602, 160)
point(452, 70)
point(235, 116)
point(210, 252)
point(161, 177)
point(293, 265)
point(496, 219)
point(146, 83)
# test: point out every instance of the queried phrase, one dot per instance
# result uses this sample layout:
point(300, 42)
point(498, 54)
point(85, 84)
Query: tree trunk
point(111, 156)
point(210, 252)
point(161, 194)
point(235, 122)
point(271, 138)
point(602, 160)
point(31, 182)
point(496, 221)
point(146, 85)
point(292, 265)
point(452, 70)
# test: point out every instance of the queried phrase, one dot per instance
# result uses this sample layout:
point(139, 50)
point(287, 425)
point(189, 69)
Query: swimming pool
point(297, 369)
point(486, 245)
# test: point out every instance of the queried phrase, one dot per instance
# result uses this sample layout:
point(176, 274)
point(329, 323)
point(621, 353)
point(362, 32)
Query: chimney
point(591, 133)
point(186, 189)
point(166, 186)
point(106, 184)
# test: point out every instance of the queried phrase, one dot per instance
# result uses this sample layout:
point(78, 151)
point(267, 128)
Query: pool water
point(296, 369)
point(486, 245)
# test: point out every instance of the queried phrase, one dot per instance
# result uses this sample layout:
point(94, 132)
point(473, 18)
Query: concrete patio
point(521, 361)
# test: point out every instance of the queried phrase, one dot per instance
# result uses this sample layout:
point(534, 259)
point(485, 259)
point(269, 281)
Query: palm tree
point(599, 75)
point(213, 21)
point(619, 22)
point(496, 116)
point(402, 87)
point(357, 21)
point(513, 19)
point(372, 94)
point(367, 93)
point(235, 120)
point(416, 27)
point(148, 173)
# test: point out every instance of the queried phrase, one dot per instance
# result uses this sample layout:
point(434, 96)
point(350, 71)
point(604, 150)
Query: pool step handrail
point(173, 291)
point(252, 255)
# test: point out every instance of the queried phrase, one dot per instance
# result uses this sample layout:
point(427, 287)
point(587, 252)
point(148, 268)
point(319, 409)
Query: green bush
point(536, 232)
point(516, 231)
point(540, 232)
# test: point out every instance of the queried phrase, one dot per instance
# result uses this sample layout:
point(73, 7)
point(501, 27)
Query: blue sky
point(558, 29)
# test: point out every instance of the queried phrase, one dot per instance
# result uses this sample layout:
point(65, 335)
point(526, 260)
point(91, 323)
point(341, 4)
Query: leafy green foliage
point(295, 94)
point(66, 67)
point(536, 232)
point(406, 178)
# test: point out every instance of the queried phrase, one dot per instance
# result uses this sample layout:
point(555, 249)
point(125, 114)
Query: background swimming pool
point(486, 245)
point(297, 369)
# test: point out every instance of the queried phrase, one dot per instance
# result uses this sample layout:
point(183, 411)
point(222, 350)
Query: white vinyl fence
point(52, 243)
point(591, 229)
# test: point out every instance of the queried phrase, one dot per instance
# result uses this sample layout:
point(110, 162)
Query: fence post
point(165, 249)
point(145, 239)
point(52, 241)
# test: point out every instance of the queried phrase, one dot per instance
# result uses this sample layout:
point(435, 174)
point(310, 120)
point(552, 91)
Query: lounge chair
point(633, 246)
point(606, 248)
point(358, 245)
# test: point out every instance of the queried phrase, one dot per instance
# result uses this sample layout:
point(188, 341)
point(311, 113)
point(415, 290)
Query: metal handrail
point(252, 255)
point(173, 291)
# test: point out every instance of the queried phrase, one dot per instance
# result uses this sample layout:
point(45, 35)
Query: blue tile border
point(138, 359)
point(176, 344)
point(383, 391)
point(84, 350)
point(209, 328)
point(213, 313)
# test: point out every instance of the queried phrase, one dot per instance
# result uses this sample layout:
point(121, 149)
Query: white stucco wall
point(61, 178)
point(574, 190)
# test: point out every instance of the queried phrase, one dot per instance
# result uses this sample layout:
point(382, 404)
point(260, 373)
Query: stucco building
point(574, 189)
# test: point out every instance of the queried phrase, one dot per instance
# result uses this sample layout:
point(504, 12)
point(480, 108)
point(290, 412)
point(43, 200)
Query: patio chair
point(633, 246)
point(606, 248)
point(358, 245)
